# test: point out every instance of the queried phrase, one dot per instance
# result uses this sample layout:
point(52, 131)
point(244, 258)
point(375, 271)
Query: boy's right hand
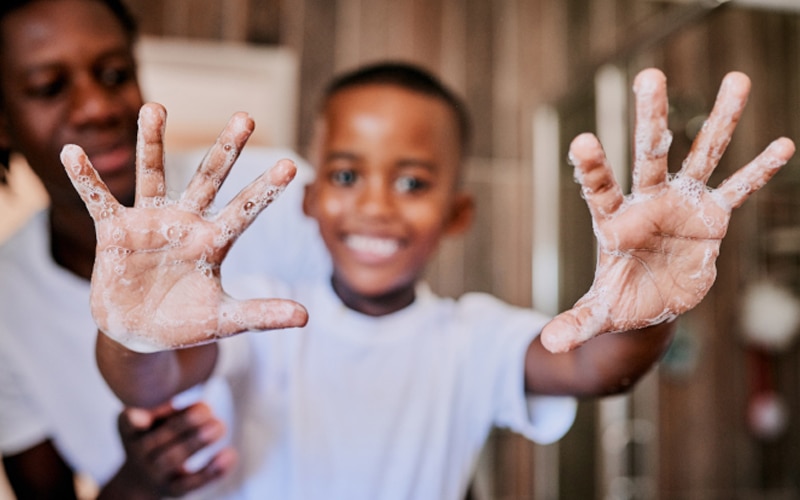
point(156, 280)
point(657, 246)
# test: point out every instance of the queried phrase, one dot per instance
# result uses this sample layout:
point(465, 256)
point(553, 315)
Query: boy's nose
point(376, 199)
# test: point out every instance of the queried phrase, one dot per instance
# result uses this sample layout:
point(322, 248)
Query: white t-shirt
point(394, 407)
point(50, 386)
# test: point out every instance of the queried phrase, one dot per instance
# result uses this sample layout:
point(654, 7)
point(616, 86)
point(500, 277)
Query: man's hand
point(658, 245)
point(158, 442)
point(156, 278)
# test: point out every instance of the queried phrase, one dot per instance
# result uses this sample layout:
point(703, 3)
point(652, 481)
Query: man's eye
point(408, 184)
point(115, 76)
point(343, 177)
point(47, 89)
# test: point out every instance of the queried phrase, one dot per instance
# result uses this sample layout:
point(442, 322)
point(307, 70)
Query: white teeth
point(383, 247)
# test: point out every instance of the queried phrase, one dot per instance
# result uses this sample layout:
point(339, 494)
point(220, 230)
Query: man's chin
point(123, 188)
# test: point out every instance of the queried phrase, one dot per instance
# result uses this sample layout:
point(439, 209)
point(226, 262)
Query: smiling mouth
point(370, 245)
point(111, 160)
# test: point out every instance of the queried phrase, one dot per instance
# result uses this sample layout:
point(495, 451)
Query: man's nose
point(91, 101)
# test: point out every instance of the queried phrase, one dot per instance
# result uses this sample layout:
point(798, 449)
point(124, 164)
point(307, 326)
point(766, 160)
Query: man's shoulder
point(25, 243)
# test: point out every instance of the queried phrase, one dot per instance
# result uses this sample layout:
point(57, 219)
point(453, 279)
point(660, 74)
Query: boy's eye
point(343, 177)
point(409, 184)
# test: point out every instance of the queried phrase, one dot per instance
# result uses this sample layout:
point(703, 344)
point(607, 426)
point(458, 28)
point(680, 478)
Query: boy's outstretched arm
point(151, 379)
point(604, 365)
point(657, 247)
point(156, 277)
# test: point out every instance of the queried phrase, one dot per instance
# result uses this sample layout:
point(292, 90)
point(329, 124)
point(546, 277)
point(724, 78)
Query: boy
point(388, 391)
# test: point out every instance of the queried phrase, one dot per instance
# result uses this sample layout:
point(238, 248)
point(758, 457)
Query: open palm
point(156, 278)
point(658, 245)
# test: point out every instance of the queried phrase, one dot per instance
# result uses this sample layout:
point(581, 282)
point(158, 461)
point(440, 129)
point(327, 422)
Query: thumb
point(141, 419)
point(261, 314)
point(573, 327)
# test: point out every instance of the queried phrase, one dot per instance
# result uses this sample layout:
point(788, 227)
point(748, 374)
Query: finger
point(602, 193)
point(141, 419)
point(260, 314)
point(714, 136)
point(150, 183)
point(127, 424)
point(135, 430)
point(752, 177)
point(133, 420)
point(221, 464)
point(186, 420)
point(254, 198)
point(91, 188)
point(234, 317)
point(176, 426)
point(652, 138)
point(217, 163)
point(573, 327)
point(173, 456)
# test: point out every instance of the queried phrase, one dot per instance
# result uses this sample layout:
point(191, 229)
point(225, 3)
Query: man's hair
point(117, 7)
point(410, 77)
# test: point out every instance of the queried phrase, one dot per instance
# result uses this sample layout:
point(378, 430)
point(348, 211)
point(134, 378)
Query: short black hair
point(410, 77)
point(117, 7)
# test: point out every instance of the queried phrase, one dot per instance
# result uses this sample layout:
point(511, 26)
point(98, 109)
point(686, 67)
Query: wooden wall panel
point(709, 407)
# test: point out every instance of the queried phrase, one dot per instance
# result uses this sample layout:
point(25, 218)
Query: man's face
point(387, 164)
point(67, 75)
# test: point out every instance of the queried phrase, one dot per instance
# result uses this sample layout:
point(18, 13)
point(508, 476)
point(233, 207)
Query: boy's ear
point(5, 135)
point(462, 214)
point(307, 199)
point(5, 150)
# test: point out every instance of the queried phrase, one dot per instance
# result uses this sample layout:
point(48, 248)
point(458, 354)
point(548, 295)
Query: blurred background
point(720, 417)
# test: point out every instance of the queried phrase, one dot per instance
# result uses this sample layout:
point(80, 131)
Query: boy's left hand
point(658, 245)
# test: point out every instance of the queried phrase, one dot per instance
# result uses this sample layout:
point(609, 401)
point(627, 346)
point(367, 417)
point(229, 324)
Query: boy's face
point(387, 162)
point(67, 75)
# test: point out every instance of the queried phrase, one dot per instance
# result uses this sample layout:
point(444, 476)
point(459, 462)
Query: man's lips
point(112, 161)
